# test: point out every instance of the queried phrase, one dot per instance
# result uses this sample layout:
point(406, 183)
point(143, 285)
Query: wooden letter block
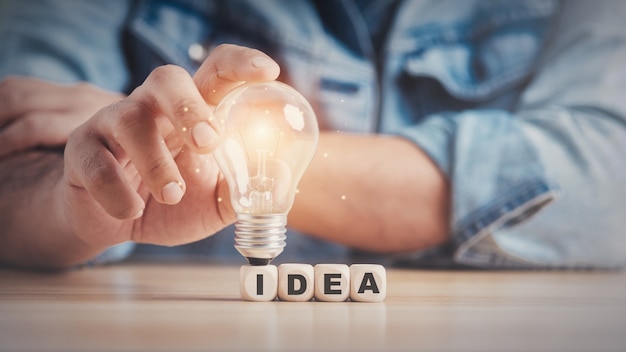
point(258, 283)
point(332, 282)
point(295, 282)
point(368, 282)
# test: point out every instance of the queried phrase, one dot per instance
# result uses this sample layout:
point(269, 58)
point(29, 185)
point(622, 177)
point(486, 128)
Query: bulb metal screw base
point(260, 237)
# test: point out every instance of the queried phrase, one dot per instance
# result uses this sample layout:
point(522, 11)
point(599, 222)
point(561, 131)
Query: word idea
point(294, 282)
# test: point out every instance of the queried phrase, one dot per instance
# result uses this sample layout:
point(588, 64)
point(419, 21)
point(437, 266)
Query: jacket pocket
point(485, 54)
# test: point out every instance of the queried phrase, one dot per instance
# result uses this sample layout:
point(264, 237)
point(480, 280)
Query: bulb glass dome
point(269, 133)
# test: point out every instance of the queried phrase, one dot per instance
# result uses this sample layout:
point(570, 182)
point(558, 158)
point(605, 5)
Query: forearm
point(372, 192)
point(34, 231)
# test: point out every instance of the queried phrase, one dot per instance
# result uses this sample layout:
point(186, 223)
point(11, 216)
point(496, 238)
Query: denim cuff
point(497, 180)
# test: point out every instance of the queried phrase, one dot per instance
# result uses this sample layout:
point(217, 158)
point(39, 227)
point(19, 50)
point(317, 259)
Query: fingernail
point(137, 215)
point(172, 193)
point(203, 135)
point(262, 62)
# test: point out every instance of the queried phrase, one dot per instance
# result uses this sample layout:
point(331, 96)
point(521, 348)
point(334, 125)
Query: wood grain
point(143, 307)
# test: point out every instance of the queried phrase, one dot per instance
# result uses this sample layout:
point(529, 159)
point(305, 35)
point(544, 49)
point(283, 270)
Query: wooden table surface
point(180, 307)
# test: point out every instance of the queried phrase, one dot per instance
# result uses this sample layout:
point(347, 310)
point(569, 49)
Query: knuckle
point(30, 124)
point(226, 47)
point(125, 119)
point(99, 175)
point(120, 108)
point(185, 108)
point(218, 49)
point(163, 73)
point(158, 167)
point(71, 144)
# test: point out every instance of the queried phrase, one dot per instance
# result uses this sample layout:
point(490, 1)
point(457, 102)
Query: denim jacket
point(521, 104)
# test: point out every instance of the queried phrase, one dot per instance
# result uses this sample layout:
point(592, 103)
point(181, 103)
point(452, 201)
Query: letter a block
point(368, 282)
point(295, 282)
point(332, 282)
point(258, 283)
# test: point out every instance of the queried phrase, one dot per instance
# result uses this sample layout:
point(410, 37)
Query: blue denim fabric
point(520, 103)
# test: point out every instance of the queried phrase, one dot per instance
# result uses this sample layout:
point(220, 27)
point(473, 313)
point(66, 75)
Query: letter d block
point(332, 282)
point(258, 283)
point(295, 282)
point(368, 282)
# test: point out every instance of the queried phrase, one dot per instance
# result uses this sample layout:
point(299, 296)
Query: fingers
point(138, 135)
point(30, 131)
point(90, 165)
point(171, 92)
point(20, 98)
point(39, 113)
point(169, 100)
point(229, 66)
point(135, 129)
point(24, 95)
point(20, 95)
point(96, 151)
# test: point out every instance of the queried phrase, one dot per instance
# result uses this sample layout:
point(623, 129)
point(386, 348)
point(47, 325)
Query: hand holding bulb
point(269, 133)
point(138, 170)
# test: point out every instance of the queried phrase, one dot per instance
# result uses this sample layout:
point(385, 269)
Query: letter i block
point(258, 283)
point(332, 282)
point(295, 282)
point(368, 282)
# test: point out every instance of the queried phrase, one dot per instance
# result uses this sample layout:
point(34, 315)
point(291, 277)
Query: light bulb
point(268, 136)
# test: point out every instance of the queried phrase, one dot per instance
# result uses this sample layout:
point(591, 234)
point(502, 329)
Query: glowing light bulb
point(268, 136)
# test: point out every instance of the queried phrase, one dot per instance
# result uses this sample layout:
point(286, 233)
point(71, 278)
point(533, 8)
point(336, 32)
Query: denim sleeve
point(64, 41)
point(544, 185)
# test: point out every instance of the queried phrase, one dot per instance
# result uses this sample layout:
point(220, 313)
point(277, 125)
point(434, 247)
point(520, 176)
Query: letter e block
point(295, 282)
point(258, 283)
point(368, 282)
point(332, 282)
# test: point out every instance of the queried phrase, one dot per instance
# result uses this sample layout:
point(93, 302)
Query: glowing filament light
point(269, 133)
